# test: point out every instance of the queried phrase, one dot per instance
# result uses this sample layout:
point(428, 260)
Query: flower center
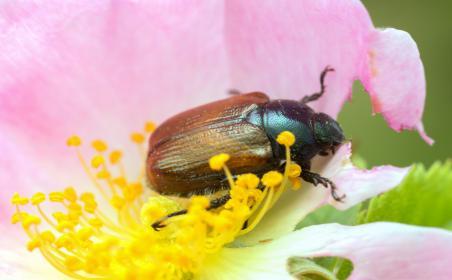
point(83, 241)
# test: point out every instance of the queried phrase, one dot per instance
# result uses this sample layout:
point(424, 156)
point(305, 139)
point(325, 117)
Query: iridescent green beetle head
point(327, 132)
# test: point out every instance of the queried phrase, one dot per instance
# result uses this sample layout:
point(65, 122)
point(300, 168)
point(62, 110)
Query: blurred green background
point(430, 24)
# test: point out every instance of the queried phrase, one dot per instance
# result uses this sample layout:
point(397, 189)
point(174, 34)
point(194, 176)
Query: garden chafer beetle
point(245, 126)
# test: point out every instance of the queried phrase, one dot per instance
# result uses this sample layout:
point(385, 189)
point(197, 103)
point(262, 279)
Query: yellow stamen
point(97, 161)
point(38, 198)
point(99, 145)
point(115, 156)
point(56, 197)
point(296, 183)
point(294, 170)
point(286, 138)
point(70, 194)
point(137, 137)
point(217, 162)
point(149, 127)
point(33, 244)
point(83, 242)
point(272, 179)
point(103, 174)
point(74, 141)
point(18, 200)
point(117, 202)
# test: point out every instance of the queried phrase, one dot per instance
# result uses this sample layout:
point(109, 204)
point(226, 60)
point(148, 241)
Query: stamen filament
point(84, 243)
point(282, 187)
point(268, 201)
point(46, 218)
point(90, 174)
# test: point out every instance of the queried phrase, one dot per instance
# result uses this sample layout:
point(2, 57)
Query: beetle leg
point(316, 179)
point(215, 203)
point(157, 225)
point(218, 202)
point(333, 149)
point(326, 152)
point(317, 95)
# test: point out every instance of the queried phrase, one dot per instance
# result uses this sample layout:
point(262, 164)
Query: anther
point(33, 244)
point(56, 196)
point(30, 220)
point(217, 162)
point(70, 194)
point(74, 141)
point(38, 198)
point(99, 145)
point(294, 170)
point(296, 183)
point(286, 138)
point(117, 202)
point(97, 161)
point(115, 156)
point(18, 200)
point(272, 179)
point(137, 137)
point(149, 127)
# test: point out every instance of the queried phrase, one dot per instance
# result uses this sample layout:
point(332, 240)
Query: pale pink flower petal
point(16, 263)
point(377, 250)
point(357, 185)
point(395, 80)
point(99, 69)
point(282, 48)
point(361, 184)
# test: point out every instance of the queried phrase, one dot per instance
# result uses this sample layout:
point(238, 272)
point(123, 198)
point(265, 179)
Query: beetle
point(245, 126)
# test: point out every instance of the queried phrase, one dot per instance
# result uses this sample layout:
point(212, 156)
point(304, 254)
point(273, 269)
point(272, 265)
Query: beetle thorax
point(293, 116)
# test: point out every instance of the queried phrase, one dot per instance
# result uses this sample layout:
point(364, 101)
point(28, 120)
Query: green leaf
point(359, 161)
point(424, 198)
point(329, 214)
point(322, 268)
point(307, 269)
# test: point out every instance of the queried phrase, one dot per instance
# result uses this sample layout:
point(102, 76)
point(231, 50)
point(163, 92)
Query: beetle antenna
point(317, 95)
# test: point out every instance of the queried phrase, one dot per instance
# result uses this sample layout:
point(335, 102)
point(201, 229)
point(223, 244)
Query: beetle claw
point(316, 179)
point(158, 225)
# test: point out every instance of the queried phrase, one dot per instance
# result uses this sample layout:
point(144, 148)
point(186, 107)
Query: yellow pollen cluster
point(85, 240)
point(217, 162)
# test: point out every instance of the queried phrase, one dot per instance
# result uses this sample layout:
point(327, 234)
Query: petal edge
point(394, 77)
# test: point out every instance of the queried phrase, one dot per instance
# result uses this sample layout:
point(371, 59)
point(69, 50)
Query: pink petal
point(395, 80)
point(16, 263)
point(104, 68)
point(281, 48)
point(357, 185)
point(99, 69)
point(377, 250)
point(361, 184)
